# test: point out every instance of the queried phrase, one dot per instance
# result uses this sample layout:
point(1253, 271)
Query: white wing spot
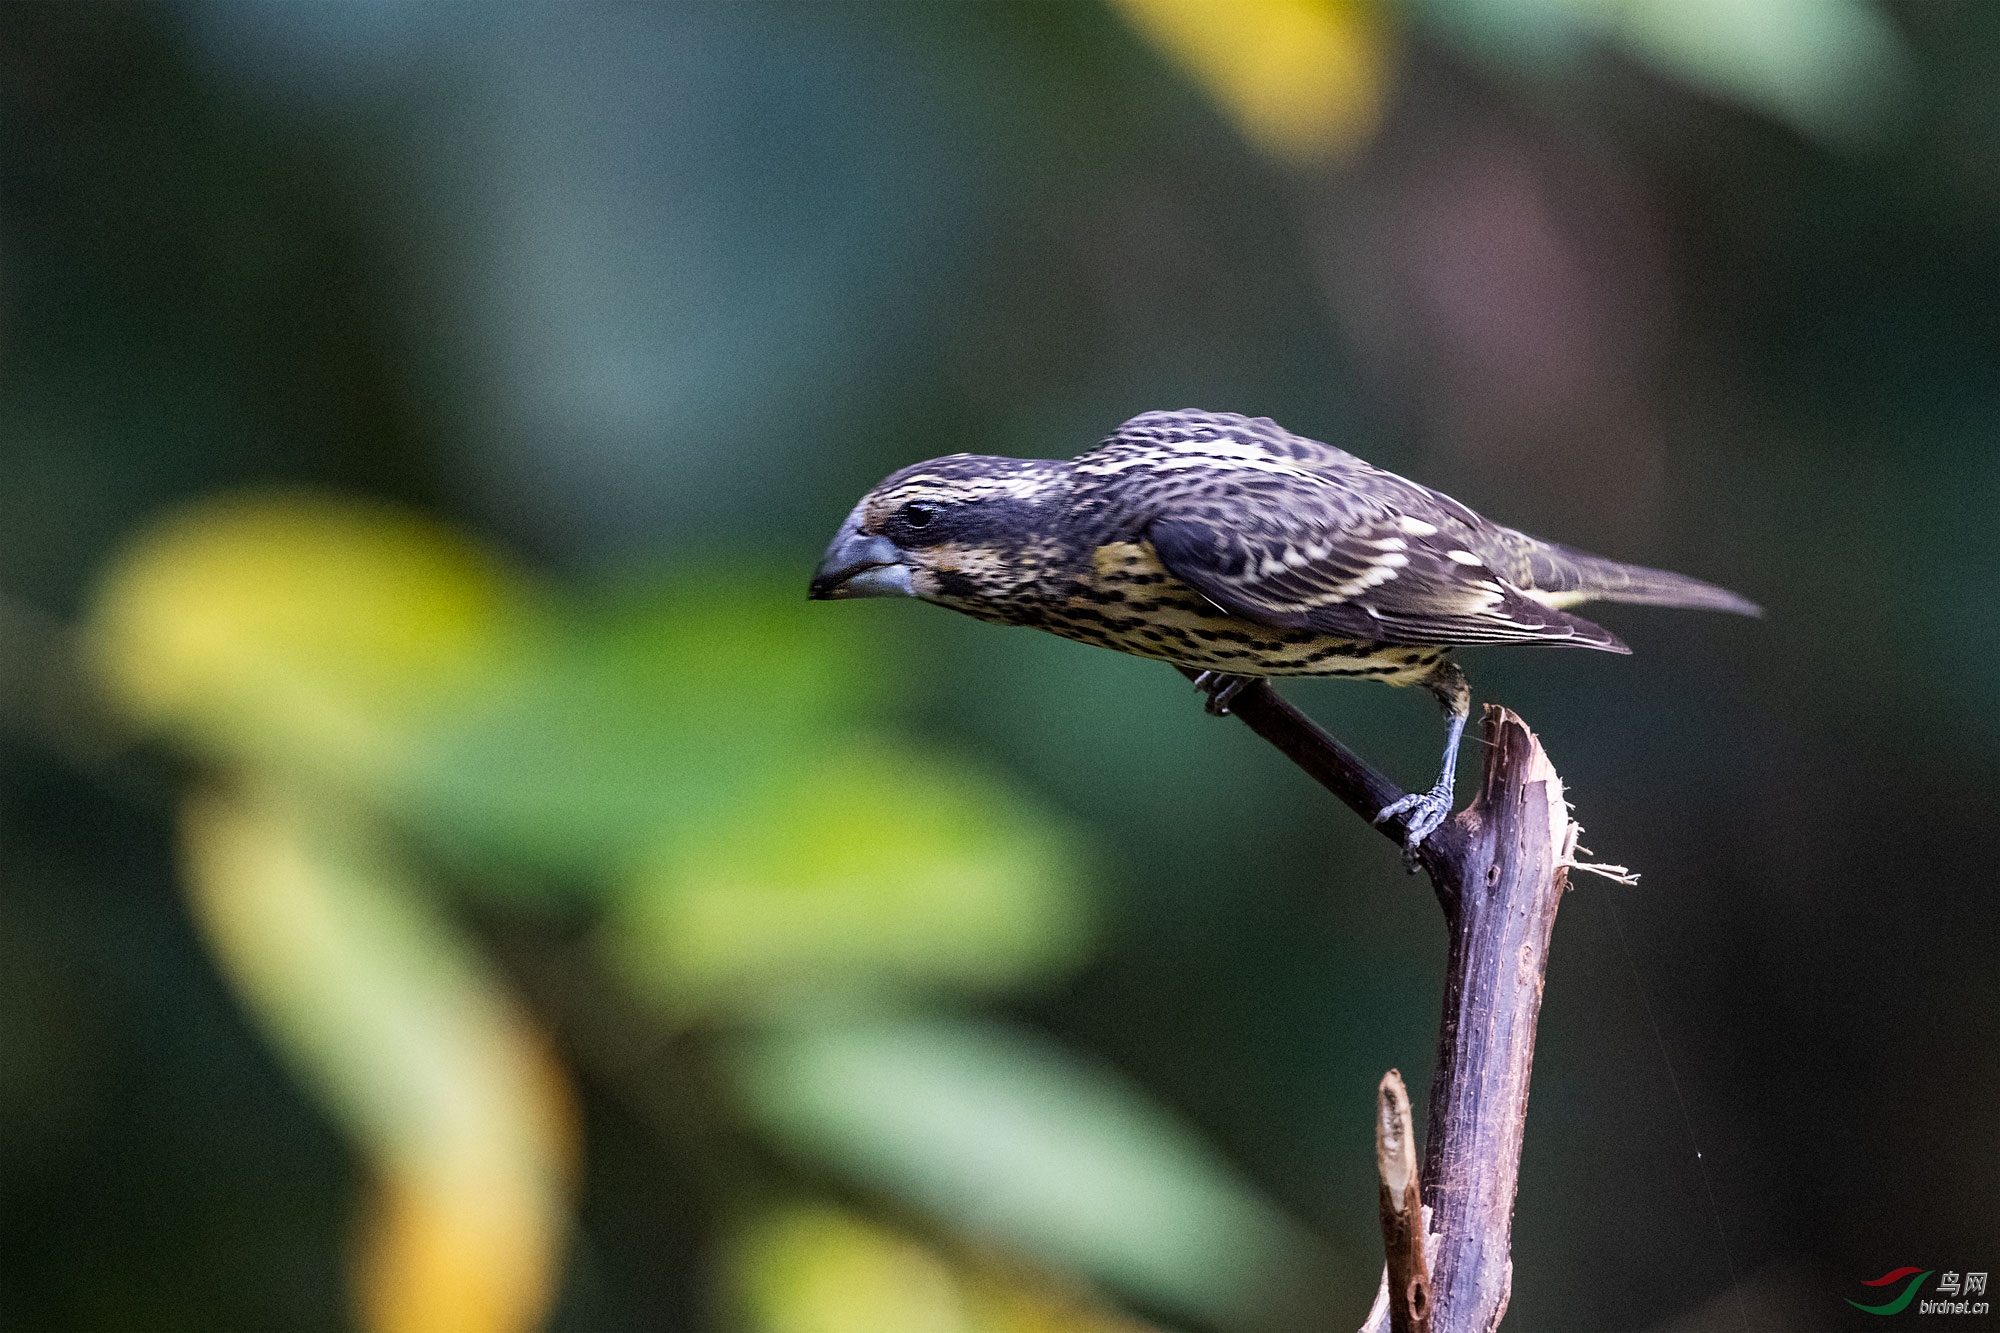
point(1464, 557)
point(1416, 527)
point(1219, 454)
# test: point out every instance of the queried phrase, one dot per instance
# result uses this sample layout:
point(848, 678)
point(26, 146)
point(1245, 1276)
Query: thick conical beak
point(856, 565)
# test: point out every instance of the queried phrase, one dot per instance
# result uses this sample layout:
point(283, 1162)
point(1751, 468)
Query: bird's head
point(966, 531)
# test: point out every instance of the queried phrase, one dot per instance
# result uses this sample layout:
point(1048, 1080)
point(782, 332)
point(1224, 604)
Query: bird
point(1228, 545)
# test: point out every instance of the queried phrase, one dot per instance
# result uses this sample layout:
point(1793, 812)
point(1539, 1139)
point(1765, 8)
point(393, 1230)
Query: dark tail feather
point(1581, 576)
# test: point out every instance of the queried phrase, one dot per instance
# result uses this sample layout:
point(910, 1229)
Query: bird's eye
point(918, 514)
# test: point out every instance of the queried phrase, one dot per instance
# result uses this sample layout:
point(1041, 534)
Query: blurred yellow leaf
point(812, 1268)
point(298, 628)
point(1304, 80)
point(859, 866)
point(819, 1270)
point(443, 1082)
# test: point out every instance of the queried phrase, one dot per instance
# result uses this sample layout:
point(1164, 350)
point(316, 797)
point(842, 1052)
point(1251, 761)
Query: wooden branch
point(1324, 759)
point(1407, 1288)
point(1500, 880)
point(1499, 868)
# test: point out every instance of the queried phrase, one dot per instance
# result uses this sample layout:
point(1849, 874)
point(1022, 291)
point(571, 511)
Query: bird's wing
point(1359, 553)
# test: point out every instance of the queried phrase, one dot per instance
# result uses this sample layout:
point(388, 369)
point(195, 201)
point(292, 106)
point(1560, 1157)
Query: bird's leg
point(1427, 810)
point(1221, 687)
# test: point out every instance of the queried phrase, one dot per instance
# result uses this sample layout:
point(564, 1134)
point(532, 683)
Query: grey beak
point(856, 565)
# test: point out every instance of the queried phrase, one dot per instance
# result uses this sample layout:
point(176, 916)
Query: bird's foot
point(1423, 812)
point(1221, 687)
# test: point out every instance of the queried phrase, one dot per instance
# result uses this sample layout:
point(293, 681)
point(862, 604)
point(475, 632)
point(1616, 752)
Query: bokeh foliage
point(450, 879)
point(384, 715)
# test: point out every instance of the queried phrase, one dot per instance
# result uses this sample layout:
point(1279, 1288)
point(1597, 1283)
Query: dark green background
point(624, 288)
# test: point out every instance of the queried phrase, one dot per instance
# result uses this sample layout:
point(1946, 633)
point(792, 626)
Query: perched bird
point(1228, 544)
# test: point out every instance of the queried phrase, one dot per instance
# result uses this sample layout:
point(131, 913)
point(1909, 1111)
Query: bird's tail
point(1577, 576)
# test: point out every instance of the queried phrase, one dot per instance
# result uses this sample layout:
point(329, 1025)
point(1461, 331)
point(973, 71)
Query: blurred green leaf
point(1012, 1139)
point(634, 718)
point(863, 865)
point(1831, 68)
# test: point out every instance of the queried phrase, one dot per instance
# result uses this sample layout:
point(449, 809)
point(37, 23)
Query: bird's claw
point(1221, 687)
point(1423, 812)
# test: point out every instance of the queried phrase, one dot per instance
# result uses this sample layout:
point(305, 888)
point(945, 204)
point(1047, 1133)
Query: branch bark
point(1324, 759)
point(1406, 1288)
point(1499, 867)
point(1500, 877)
